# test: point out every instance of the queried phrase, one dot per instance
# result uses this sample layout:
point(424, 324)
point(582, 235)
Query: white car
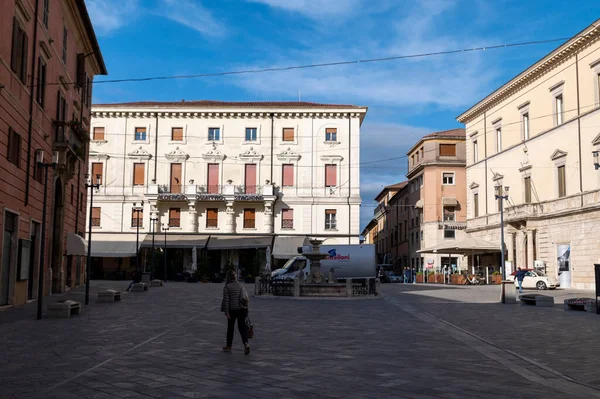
point(536, 279)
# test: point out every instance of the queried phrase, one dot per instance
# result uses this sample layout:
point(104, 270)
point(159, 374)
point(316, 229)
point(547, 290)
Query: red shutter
point(288, 175)
point(330, 175)
point(250, 178)
point(213, 178)
point(98, 133)
point(175, 178)
point(138, 174)
point(288, 134)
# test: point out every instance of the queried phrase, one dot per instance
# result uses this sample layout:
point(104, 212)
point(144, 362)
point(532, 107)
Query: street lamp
point(42, 271)
point(165, 229)
point(137, 209)
point(596, 162)
point(502, 195)
point(153, 220)
point(89, 254)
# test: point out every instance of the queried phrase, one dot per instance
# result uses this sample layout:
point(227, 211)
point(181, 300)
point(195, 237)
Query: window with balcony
point(448, 178)
point(174, 217)
point(98, 134)
point(559, 109)
point(525, 123)
point(331, 134)
point(288, 175)
point(449, 214)
point(288, 134)
point(96, 212)
point(140, 134)
point(448, 234)
point(212, 218)
point(330, 219)
point(476, 205)
point(40, 93)
point(562, 186)
point(177, 134)
point(61, 116)
point(18, 60)
point(447, 150)
point(176, 178)
point(250, 178)
point(213, 178)
point(251, 134)
point(139, 170)
point(14, 147)
point(527, 189)
point(97, 170)
point(330, 175)
point(137, 218)
point(214, 134)
point(287, 218)
point(249, 218)
point(475, 151)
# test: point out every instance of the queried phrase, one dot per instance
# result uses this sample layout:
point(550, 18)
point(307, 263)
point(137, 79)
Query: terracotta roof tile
point(460, 132)
point(229, 104)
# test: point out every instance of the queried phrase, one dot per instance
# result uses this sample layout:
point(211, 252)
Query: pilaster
point(530, 246)
point(193, 216)
point(229, 216)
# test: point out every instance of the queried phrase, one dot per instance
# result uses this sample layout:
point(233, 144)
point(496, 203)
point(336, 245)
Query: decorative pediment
point(558, 154)
point(497, 176)
point(98, 156)
point(177, 155)
point(473, 186)
point(251, 154)
point(214, 154)
point(140, 153)
point(288, 156)
point(596, 140)
point(332, 158)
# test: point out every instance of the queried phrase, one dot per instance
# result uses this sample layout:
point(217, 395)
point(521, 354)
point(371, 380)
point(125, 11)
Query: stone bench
point(64, 309)
point(537, 300)
point(156, 283)
point(109, 296)
point(586, 304)
point(139, 287)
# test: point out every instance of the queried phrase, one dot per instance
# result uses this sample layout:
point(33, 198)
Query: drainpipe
point(156, 146)
point(349, 176)
point(31, 95)
point(579, 129)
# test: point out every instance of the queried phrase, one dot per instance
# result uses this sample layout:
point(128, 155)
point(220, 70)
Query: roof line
point(85, 16)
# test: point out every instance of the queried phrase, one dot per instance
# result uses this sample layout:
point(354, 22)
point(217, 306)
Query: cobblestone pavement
point(166, 343)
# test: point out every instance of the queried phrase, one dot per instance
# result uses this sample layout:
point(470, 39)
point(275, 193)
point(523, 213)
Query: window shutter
point(330, 211)
point(288, 134)
point(174, 213)
point(138, 174)
point(447, 150)
point(288, 175)
point(14, 54)
point(250, 178)
point(330, 175)
point(249, 214)
point(177, 134)
point(288, 214)
point(213, 178)
point(23, 72)
point(98, 133)
point(96, 212)
point(212, 214)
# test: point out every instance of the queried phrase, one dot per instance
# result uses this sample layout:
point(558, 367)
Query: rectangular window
point(138, 174)
point(251, 134)
point(498, 139)
point(175, 178)
point(449, 233)
point(177, 134)
point(559, 109)
point(64, 47)
point(18, 60)
point(330, 219)
point(525, 121)
point(413, 159)
point(249, 218)
point(61, 116)
point(96, 212)
point(98, 134)
point(288, 175)
point(212, 218)
point(174, 217)
point(475, 205)
point(140, 134)
point(214, 134)
point(40, 94)
point(448, 179)
point(213, 178)
point(331, 134)
point(475, 151)
point(449, 214)
point(14, 147)
point(137, 218)
point(562, 188)
point(527, 183)
point(80, 73)
point(288, 134)
point(447, 150)
point(250, 179)
point(97, 168)
point(287, 218)
point(46, 12)
point(330, 175)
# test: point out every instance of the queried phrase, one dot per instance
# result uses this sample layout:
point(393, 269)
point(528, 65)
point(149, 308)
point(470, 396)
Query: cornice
point(233, 114)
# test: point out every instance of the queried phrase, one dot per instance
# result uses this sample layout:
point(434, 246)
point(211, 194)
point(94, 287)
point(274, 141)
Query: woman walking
point(235, 307)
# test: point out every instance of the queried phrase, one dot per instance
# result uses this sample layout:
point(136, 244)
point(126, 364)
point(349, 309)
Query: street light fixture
point(137, 209)
point(165, 229)
point(153, 220)
point(89, 255)
point(42, 270)
point(596, 161)
point(502, 195)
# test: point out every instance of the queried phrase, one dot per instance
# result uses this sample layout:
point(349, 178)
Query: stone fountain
point(315, 257)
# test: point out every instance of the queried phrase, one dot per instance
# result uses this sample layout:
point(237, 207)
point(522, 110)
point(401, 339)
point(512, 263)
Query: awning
point(449, 201)
point(114, 245)
point(469, 245)
point(286, 247)
point(238, 242)
point(419, 204)
point(176, 240)
point(76, 245)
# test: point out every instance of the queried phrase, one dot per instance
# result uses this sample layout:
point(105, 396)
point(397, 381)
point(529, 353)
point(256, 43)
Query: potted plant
point(431, 277)
point(496, 277)
point(419, 277)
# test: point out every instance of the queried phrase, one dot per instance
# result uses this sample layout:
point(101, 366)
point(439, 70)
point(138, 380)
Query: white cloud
point(192, 14)
point(317, 9)
point(109, 15)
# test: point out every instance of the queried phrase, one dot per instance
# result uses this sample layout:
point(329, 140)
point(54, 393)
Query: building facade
point(225, 177)
point(385, 225)
point(399, 220)
point(435, 202)
point(49, 56)
point(537, 135)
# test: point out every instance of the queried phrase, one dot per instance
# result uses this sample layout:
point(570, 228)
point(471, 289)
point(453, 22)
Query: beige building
point(435, 202)
point(536, 135)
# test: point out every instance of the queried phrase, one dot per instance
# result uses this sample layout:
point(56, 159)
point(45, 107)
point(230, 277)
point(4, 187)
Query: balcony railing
point(209, 189)
point(174, 222)
point(248, 189)
point(70, 135)
point(212, 223)
point(249, 223)
point(287, 224)
point(170, 189)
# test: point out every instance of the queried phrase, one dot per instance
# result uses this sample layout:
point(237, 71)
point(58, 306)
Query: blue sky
point(406, 98)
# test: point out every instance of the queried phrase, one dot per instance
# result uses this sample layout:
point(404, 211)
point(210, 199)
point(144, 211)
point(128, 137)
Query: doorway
point(11, 232)
point(34, 259)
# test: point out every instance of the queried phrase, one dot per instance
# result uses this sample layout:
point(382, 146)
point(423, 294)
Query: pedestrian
point(235, 306)
point(137, 277)
point(520, 276)
point(414, 275)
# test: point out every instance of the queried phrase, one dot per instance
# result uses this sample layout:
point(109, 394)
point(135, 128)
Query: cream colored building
point(536, 134)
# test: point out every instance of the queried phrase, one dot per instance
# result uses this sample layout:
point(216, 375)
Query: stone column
point(530, 246)
point(193, 215)
point(521, 255)
point(268, 217)
point(510, 246)
point(229, 217)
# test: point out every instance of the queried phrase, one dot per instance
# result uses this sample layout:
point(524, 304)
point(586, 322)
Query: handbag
point(250, 328)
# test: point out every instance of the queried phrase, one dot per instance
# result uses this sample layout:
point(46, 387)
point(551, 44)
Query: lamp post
point(153, 220)
point(165, 229)
point(502, 194)
point(137, 209)
point(42, 271)
point(89, 254)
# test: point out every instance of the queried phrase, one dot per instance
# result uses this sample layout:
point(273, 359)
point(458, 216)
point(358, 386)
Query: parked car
point(394, 278)
point(536, 279)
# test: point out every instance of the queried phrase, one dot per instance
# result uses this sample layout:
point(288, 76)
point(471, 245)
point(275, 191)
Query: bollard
point(297, 287)
point(257, 286)
point(377, 287)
